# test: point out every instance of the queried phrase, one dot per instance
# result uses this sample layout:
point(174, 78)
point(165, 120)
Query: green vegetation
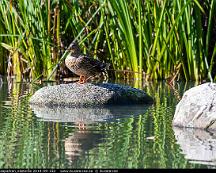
point(159, 39)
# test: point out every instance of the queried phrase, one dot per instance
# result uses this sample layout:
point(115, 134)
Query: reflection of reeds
point(29, 142)
point(128, 142)
point(26, 143)
point(153, 37)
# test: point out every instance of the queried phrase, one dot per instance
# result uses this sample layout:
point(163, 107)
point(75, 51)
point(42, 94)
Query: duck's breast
point(70, 63)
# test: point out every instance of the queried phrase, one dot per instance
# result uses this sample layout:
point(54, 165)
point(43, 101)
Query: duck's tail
point(105, 69)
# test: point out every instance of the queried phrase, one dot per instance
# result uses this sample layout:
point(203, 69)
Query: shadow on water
point(126, 137)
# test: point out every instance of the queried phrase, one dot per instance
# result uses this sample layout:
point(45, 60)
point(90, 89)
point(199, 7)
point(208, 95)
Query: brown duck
point(83, 65)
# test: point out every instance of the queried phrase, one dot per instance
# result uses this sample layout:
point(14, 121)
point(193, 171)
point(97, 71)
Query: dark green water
point(141, 138)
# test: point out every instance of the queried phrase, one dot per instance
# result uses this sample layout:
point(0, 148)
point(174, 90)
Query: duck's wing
point(91, 64)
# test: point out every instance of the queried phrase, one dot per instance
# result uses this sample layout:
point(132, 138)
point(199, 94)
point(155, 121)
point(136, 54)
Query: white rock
point(197, 108)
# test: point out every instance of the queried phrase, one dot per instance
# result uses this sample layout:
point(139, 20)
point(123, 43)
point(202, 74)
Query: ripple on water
point(106, 138)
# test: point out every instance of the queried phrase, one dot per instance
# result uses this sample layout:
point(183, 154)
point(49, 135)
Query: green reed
point(161, 39)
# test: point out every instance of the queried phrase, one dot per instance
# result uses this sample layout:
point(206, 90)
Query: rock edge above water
point(88, 95)
point(197, 108)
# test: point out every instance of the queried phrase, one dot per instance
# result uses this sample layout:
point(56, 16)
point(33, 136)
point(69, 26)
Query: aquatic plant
point(153, 39)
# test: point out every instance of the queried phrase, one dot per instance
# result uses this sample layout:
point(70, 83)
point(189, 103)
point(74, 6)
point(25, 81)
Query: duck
point(83, 65)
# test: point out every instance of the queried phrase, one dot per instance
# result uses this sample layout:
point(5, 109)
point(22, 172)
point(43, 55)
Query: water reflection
point(87, 115)
point(1, 82)
point(126, 137)
point(198, 146)
point(79, 142)
point(82, 140)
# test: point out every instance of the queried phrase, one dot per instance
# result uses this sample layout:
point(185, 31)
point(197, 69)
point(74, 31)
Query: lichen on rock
point(88, 95)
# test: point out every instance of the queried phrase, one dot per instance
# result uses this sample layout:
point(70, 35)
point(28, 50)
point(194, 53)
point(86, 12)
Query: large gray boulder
point(89, 95)
point(197, 108)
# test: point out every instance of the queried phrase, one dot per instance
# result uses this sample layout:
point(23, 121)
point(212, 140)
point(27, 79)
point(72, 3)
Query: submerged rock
point(88, 95)
point(197, 108)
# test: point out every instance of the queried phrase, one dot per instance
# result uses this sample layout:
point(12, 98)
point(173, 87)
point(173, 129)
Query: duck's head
point(74, 48)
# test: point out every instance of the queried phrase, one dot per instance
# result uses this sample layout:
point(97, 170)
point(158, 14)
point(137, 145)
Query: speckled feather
point(85, 66)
